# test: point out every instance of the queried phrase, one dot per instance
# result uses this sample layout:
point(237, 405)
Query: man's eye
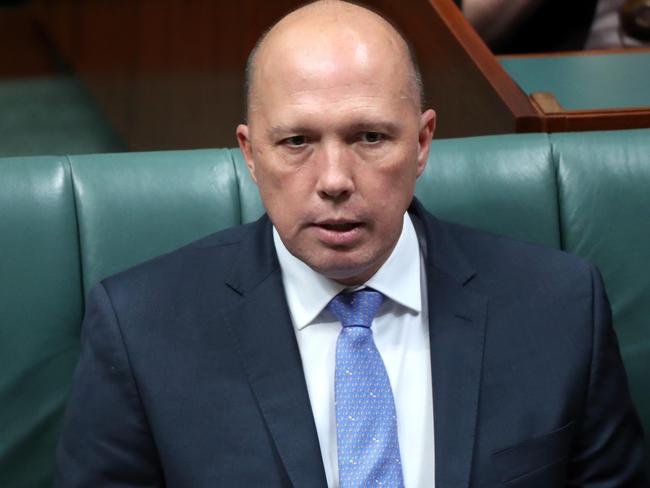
point(295, 141)
point(371, 137)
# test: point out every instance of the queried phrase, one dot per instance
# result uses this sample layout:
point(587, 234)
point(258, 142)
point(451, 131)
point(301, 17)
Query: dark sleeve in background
point(556, 25)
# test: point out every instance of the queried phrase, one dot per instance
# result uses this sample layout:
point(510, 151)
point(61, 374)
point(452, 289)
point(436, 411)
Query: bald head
point(335, 137)
point(331, 32)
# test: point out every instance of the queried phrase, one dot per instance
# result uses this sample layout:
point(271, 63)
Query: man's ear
point(243, 138)
point(427, 128)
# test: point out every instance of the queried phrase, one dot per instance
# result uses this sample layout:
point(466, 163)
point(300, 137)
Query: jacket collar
point(264, 335)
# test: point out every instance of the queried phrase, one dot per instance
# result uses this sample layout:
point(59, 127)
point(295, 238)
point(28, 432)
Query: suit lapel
point(265, 340)
point(457, 325)
point(457, 319)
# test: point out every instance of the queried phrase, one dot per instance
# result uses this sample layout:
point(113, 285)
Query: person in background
point(620, 24)
point(531, 26)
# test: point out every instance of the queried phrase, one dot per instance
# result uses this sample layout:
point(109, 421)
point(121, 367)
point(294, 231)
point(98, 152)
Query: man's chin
point(351, 274)
point(347, 265)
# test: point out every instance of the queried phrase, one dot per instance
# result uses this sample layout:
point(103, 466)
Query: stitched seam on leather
point(75, 203)
point(555, 161)
point(237, 186)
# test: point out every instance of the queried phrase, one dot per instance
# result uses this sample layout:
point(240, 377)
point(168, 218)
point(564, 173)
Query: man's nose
point(335, 173)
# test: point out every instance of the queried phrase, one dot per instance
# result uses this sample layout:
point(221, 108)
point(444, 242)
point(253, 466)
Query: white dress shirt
point(401, 333)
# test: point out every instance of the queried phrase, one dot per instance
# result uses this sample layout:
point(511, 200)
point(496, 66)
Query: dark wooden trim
point(591, 120)
point(503, 85)
point(559, 54)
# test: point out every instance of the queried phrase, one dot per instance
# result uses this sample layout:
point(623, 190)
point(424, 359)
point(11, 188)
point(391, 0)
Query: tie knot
point(357, 308)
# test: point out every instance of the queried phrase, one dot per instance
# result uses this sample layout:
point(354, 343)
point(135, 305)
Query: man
point(236, 361)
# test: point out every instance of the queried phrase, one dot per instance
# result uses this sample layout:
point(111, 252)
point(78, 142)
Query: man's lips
point(338, 232)
point(338, 226)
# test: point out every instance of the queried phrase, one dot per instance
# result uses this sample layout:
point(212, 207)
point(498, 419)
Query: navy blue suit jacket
point(190, 374)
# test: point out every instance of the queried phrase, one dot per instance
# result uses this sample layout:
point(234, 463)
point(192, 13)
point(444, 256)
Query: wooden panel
point(557, 119)
point(586, 80)
point(471, 92)
point(23, 52)
point(62, 25)
point(586, 90)
point(105, 56)
point(169, 73)
point(189, 88)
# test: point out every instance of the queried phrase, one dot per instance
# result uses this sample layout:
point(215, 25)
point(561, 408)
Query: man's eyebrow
point(277, 130)
point(373, 126)
point(357, 126)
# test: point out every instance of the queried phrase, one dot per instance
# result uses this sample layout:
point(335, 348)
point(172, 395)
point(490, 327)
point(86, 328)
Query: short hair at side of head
point(415, 75)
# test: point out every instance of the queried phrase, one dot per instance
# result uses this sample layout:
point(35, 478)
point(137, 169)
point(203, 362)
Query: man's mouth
point(339, 226)
point(336, 233)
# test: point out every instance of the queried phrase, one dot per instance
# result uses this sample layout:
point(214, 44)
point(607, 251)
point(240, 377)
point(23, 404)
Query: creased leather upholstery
point(604, 190)
point(40, 312)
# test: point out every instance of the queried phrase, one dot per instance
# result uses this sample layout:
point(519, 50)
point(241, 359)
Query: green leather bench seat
point(65, 223)
point(133, 208)
point(503, 184)
point(585, 81)
point(51, 114)
point(604, 190)
point(41, 306)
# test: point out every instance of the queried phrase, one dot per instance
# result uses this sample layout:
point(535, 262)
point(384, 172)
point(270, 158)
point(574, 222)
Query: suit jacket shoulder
point(552, 406)
point(185, 274)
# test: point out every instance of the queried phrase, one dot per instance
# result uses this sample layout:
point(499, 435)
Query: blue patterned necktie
point(366, 423)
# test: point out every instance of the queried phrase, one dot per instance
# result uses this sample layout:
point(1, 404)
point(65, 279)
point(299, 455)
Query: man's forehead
point(322, 15)
point(386, 113)
point(331, 95)
point(331, 40)
point(308, 73)
point(320, 39)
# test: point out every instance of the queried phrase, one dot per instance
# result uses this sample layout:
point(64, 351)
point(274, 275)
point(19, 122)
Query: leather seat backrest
point(503, 184)
point(40, 312)
point(134, 206)
point(604, 194)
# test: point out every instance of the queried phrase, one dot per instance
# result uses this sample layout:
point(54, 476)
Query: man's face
point(335, 146)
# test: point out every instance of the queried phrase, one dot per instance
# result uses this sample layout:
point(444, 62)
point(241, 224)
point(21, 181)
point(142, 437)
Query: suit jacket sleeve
point(609, 450)
point(106, 441)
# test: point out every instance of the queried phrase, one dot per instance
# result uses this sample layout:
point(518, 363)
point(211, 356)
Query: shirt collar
point(309, 292)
